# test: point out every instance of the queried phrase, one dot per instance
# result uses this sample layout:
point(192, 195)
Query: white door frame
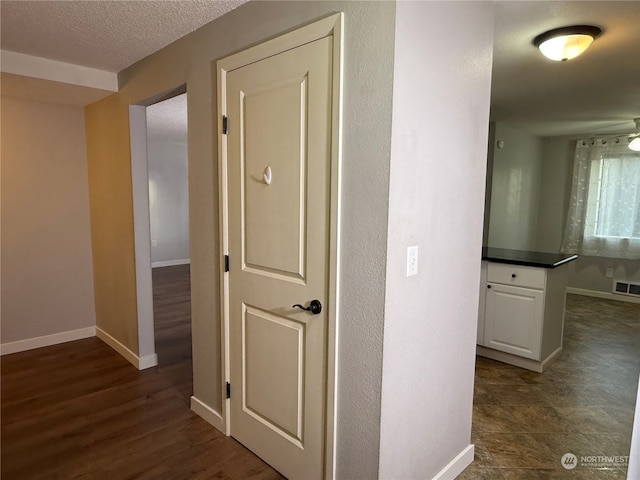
point(329, 26)
point(146, 357)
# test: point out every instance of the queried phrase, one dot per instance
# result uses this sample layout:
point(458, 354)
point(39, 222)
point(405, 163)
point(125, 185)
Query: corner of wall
point(111, 209)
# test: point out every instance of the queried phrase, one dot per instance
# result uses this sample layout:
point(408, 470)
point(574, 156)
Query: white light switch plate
point(412, 261)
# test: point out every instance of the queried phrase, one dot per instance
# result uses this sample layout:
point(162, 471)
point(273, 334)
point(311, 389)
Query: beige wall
point(47, 285)
point(369, 41)
point(109, 166)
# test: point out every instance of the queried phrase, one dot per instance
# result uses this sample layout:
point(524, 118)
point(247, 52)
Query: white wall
point(47, 277)
point(436, 201)
point(515, 189)
point(167, 167)
point(168, 201)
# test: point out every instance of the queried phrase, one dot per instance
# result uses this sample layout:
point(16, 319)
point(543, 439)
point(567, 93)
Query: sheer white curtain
point(604, 209)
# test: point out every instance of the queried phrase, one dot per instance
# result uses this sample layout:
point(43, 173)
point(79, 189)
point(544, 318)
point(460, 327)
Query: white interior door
point(279, 180)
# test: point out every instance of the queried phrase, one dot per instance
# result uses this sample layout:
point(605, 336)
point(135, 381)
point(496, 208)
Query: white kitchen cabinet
point(513, 320)
point(482, 302)
point(522, 314)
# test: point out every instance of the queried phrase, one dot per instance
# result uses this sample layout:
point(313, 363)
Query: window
point(613, 202)
point(604, 214)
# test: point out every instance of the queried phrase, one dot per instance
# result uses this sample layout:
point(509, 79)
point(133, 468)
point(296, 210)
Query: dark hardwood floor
point(172, 317)
point(80, 411)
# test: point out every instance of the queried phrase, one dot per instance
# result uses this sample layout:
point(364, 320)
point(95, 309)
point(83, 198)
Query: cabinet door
point(481, 302)
point(513, 320)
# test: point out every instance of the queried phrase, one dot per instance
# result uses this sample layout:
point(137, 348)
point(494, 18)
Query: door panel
point(278, 164)
point(274, 229)
point(273, 373)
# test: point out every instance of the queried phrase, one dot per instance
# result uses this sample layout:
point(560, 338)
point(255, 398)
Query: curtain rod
point(592, 139)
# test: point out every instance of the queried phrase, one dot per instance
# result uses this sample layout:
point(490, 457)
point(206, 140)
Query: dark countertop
point(524, 257)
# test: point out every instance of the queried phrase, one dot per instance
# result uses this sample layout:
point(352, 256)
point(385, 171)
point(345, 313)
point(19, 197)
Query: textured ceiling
point(107, 35)
point(598, 92)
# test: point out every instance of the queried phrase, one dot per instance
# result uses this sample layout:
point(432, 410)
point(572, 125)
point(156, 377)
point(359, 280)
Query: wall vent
point(622, 287)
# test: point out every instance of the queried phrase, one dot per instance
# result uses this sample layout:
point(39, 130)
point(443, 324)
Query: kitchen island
point(522, 302)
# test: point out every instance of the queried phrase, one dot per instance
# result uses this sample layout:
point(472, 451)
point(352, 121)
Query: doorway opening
point(159, 149)
point(167, 159)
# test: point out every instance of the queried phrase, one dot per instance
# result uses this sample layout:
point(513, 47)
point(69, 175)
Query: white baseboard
point(171, 263)
point(140, 363)
point(598, 294)
point(47, 340)
point(457, 465)
point(147, 361)
point(504, 357)
point(208, 414)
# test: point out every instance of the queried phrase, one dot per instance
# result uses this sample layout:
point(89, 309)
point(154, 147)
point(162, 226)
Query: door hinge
point(228, 390)
point(225, 125)
point(226, 263)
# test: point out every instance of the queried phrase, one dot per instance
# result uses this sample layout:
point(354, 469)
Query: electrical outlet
point(609, 273)
point(412, 261)
point(154, 243)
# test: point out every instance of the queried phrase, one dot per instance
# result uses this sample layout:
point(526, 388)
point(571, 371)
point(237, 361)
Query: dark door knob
point(314, 307)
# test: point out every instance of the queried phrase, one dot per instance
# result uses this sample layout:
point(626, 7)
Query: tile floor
point(524, 422)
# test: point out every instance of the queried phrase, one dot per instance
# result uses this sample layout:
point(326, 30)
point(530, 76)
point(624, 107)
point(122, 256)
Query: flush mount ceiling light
point(565, 43)
point(634, 140)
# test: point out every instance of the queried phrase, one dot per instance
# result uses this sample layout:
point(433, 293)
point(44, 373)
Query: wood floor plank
point(79, 411)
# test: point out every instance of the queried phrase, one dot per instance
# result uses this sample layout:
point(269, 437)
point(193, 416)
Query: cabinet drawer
point(516, 275)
